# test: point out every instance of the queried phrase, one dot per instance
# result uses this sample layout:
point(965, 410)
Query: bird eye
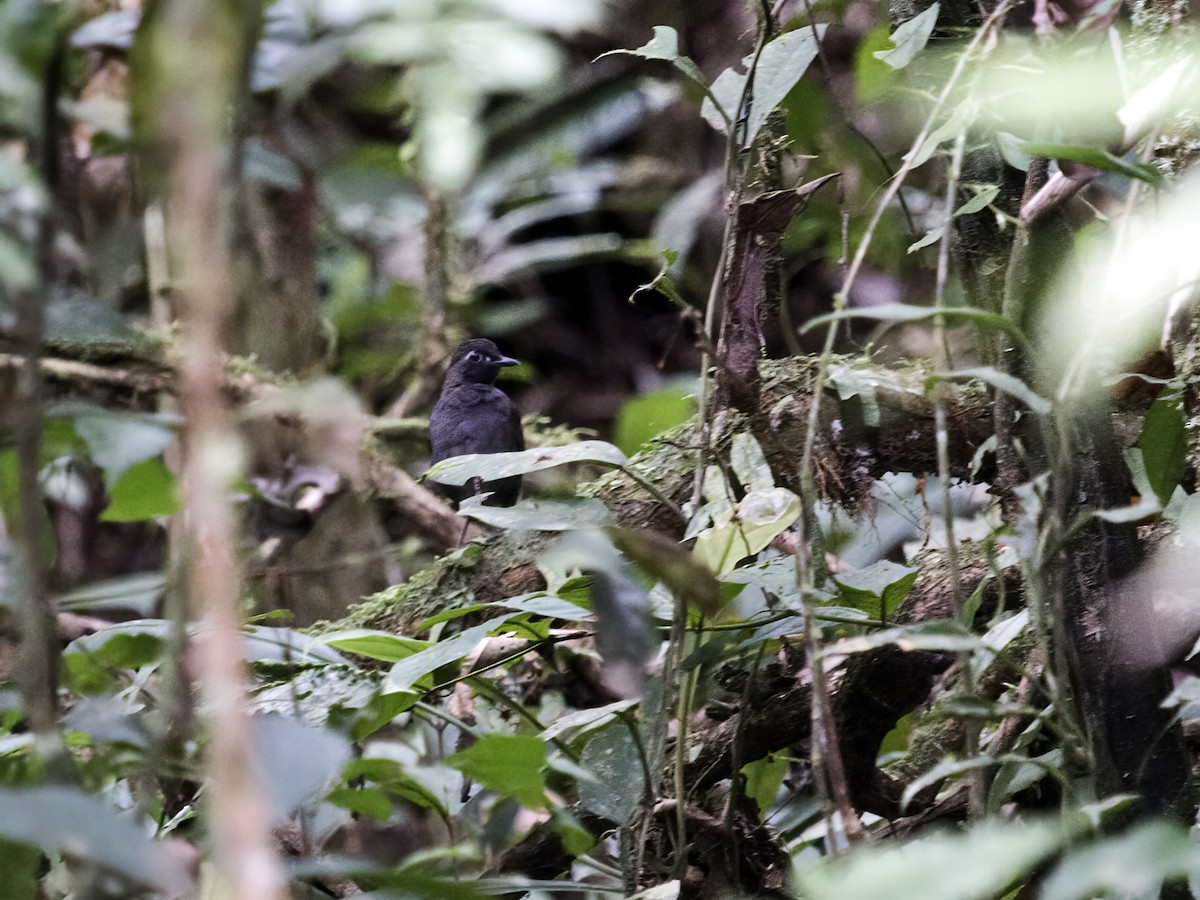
point(474, 356)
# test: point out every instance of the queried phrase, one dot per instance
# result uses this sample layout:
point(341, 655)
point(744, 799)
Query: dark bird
point(472, 415)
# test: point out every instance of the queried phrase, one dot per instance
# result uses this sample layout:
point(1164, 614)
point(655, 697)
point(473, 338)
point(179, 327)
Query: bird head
point(478, 361)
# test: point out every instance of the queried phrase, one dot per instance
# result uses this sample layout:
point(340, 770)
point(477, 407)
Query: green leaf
point(721, 103)
point(364, 801)
point(781, 64)
point(294, 762)
point(407, 672)
point(458, 470)
point(118, 441)
point(983, 861)
point(538, 515)
point(981, 201)
point(749, 463)
point(1096, 158)
point(146, 490)
point(931, 237)
point(646, 416)
point(760, 517)
point(66, 820)
point(1133, 864)
point(941, 634)
point(1164, 444)
point(381, 645)
point(903, 312)
point(764, 778)
point(510, 764)
point(872, 77)
point(140, 592)
point(877, 589)
point(614, 760)
point(20, 864)
point(910, 38)
point(1011, 385)
point(665, 45)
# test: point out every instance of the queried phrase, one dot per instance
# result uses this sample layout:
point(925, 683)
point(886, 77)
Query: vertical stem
point(977, 778)
point(37, 672)
point(200, 48)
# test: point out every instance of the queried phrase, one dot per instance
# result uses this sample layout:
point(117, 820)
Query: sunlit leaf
point(458, 470)
point(781, 64)
point(381, 645)
point(1097, 158)
point(910, 38)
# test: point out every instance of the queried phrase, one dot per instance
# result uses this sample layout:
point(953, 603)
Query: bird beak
point(507, 361)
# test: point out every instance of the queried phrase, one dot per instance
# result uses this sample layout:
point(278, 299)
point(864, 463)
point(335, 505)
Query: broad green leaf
point(585, 720)
point(1133, 864)
point(877, 589)
point(781, 64)
point(960, 119)
point(764, 778)
point(873, 77)
point(761, 516)
point(671, 564)
point(614, 760)
point(295, 763)
point(144, 491)
point(510, 764)
point(910, 38)
point(363, 801)
point(1164, 444)
point(1097, 158)
point(1014, 776)
point(405, 674)
point(118, 440)
point(62, 820)
point(947, 768)
point(646, 416)
point(1151, 105)
point(983, 861)
point(665, 45)
point(381, 645)
point(458, 470)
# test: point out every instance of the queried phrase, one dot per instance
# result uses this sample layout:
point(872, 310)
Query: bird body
point(472, 415)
